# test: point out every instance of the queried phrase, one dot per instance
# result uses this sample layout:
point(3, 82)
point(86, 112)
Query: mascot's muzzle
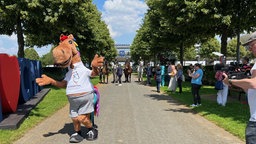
point(63, 63)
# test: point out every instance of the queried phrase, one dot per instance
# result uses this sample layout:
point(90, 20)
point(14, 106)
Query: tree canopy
point(31, 54)
point(42, 22)
point(175, 26)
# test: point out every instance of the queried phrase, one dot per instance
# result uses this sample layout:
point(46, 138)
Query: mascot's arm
point(95, 71)
point(45, 80)
point(96, 62)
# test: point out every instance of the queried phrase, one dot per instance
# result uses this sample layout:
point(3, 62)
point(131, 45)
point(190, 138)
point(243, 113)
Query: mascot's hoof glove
point(92, 134)
point(75, 138)
point(97, 61)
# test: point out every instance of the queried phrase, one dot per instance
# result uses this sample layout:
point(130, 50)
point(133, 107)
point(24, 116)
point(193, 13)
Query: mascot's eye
point(70, 42)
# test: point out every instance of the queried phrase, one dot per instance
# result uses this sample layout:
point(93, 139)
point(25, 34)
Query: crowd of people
point(175, 78)
point(117, 71)
point(162, 73)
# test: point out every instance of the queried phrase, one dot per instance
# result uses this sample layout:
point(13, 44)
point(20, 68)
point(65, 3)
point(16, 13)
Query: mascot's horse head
point(66, 53)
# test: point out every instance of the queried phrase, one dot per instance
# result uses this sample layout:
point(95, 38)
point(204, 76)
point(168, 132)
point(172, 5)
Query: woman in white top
point(173, 81)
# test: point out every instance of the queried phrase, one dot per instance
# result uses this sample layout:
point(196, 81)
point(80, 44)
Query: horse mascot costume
point(79, 89)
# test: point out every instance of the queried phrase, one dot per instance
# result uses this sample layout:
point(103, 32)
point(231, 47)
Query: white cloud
point(123, 16)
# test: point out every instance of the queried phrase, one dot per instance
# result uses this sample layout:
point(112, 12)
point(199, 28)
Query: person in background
point(173, 82)
point(169, 70)
point(114, 68)
point(162, 74)
point(221, 94)
point(140, 70)
point(149, 74)
point(190, 70)
point(246, 68)
point(179, 77)
point(249, 86)
point(158, 78)
point(196, 82)
point(119, 73)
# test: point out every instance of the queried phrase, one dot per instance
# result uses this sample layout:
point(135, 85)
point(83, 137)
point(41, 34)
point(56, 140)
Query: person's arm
point(245, 84)
point(194, 75)
point(216, 75)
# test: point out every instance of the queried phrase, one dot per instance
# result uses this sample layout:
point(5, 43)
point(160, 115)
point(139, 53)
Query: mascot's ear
point(71, 36)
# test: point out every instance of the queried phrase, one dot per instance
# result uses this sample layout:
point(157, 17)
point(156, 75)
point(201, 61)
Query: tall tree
point(42, 22)
point(192, 22)
point(30, 53)
point(83, 20)
point(209, 46)
point(231, 49)
point(17, 16)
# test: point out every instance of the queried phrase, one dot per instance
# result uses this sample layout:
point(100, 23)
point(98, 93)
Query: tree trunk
point(20, 38)
point(224, 38)
point(181, 53)
point(238, 48)
point(238, 34)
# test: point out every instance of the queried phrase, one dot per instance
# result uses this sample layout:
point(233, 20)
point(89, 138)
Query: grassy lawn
point(233, 117)
point(52, 102)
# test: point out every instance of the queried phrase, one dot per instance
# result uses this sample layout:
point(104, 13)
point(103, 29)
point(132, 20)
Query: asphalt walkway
point(134, 114)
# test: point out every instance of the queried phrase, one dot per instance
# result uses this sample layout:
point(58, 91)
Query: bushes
point(209, 75)
point(55, 72)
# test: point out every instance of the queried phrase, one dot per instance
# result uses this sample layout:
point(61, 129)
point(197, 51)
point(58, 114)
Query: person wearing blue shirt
point(162, 75)
point(196, 83)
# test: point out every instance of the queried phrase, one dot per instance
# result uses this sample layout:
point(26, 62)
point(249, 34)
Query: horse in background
point(127, 71)
point(105, 71)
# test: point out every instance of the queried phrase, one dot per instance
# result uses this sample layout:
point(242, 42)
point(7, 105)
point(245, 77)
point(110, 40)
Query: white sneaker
point(120, 85)
point(193, 105)
point(75, 138)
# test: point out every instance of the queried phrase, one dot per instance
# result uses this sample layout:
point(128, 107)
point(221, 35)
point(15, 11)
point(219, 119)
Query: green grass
point(52, 102)
point(233, 117)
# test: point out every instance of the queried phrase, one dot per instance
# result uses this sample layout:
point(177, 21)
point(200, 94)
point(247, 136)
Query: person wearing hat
point(249, 86)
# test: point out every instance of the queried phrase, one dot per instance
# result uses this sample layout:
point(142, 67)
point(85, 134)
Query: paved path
point(135, 114)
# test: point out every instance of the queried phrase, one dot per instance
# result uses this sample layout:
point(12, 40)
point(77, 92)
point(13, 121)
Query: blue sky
point(123, 18)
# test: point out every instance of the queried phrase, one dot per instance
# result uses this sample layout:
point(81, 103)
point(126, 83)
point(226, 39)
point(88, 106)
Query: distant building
point(123, 52)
